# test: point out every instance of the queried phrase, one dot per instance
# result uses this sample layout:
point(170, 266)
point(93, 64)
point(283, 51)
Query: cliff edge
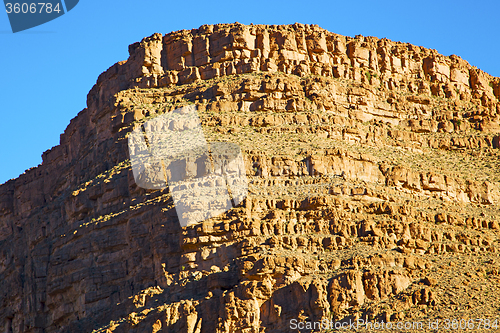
point(373, 192)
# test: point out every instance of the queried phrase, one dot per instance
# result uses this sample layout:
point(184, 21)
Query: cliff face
point(373, 191)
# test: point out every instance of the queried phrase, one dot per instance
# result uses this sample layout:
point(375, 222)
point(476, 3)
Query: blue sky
point(46, 72)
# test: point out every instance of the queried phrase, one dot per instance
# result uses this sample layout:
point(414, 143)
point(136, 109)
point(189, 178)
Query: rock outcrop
point(373, 191)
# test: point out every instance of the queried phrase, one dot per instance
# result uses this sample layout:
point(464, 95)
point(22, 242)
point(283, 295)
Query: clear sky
point(47, 71)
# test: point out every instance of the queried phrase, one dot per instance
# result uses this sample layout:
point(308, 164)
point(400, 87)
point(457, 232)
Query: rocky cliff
point(373, 191)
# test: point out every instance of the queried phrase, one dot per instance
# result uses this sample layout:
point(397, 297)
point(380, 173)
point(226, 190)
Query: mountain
point(373, 192)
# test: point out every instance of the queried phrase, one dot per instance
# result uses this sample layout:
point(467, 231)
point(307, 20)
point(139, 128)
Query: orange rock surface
point(374, 192)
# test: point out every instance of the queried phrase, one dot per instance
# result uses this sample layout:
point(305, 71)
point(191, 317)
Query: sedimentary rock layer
point(373, 191)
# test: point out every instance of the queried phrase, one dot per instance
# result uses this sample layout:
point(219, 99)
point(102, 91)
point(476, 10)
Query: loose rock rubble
point(373, 191)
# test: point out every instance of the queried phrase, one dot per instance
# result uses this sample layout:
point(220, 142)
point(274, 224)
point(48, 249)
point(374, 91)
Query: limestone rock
point(373, 191)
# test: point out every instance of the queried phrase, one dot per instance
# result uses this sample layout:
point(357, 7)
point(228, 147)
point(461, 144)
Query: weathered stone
point(371, 164)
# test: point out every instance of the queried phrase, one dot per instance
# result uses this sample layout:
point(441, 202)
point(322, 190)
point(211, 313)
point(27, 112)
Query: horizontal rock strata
point(373, 191)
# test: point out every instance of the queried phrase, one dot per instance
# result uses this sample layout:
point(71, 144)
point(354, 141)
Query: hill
point(373, 192)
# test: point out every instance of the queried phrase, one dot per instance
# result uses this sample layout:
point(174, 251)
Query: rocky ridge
point(374, 191)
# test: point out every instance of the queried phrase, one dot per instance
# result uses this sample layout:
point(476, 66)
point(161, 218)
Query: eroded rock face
point(373, 191)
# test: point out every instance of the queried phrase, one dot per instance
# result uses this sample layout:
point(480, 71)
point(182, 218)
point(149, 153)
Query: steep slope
point(374, 191)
